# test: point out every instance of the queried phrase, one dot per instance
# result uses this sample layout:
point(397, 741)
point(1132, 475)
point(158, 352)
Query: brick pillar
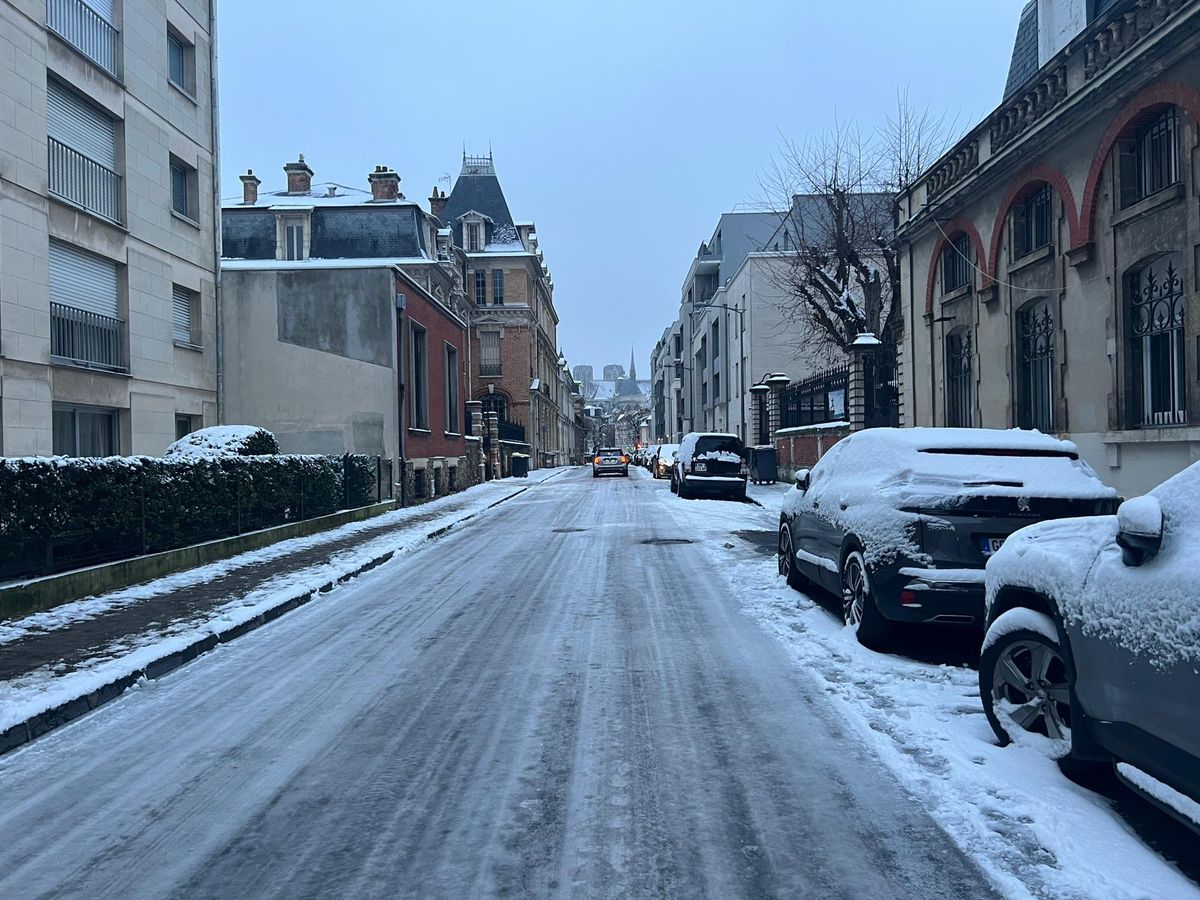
point(493, 427)
point(775, 404)
point(856, 392)
point(475, 417)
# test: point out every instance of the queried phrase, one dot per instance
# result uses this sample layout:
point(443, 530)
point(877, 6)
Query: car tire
point(683, 490)
point(786, 559)
point(1026, 669)
point(859, 609)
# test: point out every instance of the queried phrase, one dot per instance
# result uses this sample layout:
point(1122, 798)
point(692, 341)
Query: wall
point(314, 400)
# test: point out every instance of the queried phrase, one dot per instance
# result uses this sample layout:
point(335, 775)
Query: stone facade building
point(1053, 255)
point(514, 356)
point(345, 329)
point(108, 237)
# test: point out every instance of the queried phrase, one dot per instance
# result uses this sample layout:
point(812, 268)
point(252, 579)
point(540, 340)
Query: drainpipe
point(216, 174)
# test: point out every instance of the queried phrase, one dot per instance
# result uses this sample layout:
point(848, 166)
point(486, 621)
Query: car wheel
point(1025, 681)
point(683, 490)
point(787, 561)
point(859, 610)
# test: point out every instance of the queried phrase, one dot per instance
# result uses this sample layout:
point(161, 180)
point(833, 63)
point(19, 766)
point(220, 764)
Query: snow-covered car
point(710, 463)
point(899, 522)
point(663, 460)
point(1093, 642)
point(610, 461)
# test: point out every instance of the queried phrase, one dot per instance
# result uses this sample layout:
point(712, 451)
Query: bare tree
point(839, 273)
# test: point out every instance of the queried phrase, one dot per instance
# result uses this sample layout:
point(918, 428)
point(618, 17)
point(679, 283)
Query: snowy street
point(595, 689)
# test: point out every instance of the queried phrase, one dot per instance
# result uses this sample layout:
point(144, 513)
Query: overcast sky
point(622, 129)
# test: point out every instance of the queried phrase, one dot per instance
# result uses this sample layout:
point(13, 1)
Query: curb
point(34, 727)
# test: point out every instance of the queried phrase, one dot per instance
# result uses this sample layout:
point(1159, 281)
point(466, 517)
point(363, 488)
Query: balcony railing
point(84, 181)
point(85, 30)
point(86, 338)
point(489, 369)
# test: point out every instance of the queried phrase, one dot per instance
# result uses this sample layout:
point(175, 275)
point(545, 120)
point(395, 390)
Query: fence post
point(301, 519)
point(142, 482)
point(379, 479)
point(238, 494)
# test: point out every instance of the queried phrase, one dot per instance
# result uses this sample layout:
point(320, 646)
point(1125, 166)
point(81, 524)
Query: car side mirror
point(1139, 530)
point(803, 479)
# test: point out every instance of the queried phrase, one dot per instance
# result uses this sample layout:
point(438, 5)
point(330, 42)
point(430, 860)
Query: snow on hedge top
point(224, 440)
point(1153, 610)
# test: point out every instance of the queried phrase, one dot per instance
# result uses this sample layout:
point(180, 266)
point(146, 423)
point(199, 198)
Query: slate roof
point(359, 232)
point(477, 189)
point(1024, 64)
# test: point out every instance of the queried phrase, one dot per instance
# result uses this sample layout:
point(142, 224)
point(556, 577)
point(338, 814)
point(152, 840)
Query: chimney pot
point(299, 177)
point(437, 201)
point(385, 184)
point(250, 183)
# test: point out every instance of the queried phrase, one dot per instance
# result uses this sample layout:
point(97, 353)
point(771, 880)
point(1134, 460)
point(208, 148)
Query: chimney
point(437, 202)
point(299, 177)
point(385, 184)
point(250, 183)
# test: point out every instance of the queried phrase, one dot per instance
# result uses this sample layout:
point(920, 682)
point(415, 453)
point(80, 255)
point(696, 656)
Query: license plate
point(610, 461)
point(701, 467)
point(990, 545)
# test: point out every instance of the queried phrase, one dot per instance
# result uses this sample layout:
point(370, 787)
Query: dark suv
point(710, 464)
point(900, 522)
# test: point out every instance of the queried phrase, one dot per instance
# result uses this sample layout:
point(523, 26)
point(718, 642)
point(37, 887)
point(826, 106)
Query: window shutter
point(80, 126)
point(104, 7)
point(82, 280)
point(181, 314)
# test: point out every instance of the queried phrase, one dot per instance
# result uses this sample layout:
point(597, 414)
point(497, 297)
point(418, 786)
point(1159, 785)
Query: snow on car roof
point(963, 439)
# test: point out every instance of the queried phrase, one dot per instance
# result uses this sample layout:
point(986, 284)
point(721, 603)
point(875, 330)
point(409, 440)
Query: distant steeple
point(632, 365)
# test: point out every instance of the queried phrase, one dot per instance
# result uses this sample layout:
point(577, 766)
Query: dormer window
point(473, 244)
point(292, 236)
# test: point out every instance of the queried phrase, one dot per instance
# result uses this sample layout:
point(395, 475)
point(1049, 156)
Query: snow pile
point(865, 482)
point(1151, 610)
point(719, 456)
point(224, 440)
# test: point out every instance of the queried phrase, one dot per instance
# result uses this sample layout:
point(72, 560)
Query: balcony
point(85, 30)
point(486, 369)
point(83, 181)
point(87, 339)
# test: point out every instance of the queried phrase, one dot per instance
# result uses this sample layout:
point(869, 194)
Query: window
point(481, 288)
point(489, 353)
point(84, 431)
point(1031, 222)
point(959, 403)
point(715, 340)
point(497, 287)
point(452, 402)
point(1149, 160)
point(293, 239)
point(1035, 403)
point(84, 328)
point(496, 403)
point(956, 264)
point(185, 305)
point(419, 484)
point(180, 63)
point(183, 189)
point(716, 386)
point(1156, 306)
point(473, 237)
point(419, 383)
point(82, 153)
point(184, 425)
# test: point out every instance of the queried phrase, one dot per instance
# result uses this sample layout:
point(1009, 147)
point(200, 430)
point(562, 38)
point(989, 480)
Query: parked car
point(900, 522)
point(663, 460)
point(710, 464)
point(610, 461)
point(1093, 641)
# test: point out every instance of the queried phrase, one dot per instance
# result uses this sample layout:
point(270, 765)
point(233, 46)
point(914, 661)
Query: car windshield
point(609, 451)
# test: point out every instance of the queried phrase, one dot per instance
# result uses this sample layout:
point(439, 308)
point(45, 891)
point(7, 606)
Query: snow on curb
point(1031, 830)
point(40, 702)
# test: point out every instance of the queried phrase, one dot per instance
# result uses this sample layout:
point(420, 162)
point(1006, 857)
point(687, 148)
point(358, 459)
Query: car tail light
point(909, 598)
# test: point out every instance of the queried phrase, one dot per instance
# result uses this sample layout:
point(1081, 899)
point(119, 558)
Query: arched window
point(1032, 220)
point(960, 404)
point(496, 403)
point(957, 263)
point(1148, 156)
point(1155, 299)
point(1035, 366)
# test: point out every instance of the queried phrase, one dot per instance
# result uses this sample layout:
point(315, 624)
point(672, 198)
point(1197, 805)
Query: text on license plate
point(701, 467)
point(610, 460)
point(990, 545)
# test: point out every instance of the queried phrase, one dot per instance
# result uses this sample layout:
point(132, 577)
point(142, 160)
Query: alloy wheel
point(854, 591)
point(785, 553)
point(1030, 678)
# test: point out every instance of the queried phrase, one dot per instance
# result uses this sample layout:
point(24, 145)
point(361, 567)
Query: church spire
point(632, 365)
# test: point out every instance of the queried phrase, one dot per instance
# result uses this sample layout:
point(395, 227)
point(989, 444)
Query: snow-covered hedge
point(57, 509)
point(224, 440)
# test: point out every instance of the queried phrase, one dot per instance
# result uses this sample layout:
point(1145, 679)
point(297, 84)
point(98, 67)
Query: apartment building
point(108, 225)
point(1052, 267)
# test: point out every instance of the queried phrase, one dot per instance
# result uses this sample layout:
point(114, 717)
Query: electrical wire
point(970, 262)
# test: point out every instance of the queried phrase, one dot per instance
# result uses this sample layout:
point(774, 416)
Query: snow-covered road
point(556, 700)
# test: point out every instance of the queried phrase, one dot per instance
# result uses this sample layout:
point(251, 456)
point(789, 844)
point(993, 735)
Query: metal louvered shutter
point(104, 7)
point(181, 313)
point(80, 125)
point(82, 280)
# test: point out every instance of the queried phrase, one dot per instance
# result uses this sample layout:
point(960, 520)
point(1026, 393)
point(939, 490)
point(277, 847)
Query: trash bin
point(764, 465)
point(520, 465)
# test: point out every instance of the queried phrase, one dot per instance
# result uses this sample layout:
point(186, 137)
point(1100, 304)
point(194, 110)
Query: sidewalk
point(57, 665)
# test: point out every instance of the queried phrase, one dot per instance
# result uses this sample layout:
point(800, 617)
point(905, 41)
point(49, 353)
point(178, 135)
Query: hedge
point(58, 513)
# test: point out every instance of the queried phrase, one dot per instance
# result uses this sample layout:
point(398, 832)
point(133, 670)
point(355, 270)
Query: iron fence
point(82, 180)
point(881, 387)
point(87, 338)
point(85, 30)
point(816, 400)
point(511, 431)
point(489, 369)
